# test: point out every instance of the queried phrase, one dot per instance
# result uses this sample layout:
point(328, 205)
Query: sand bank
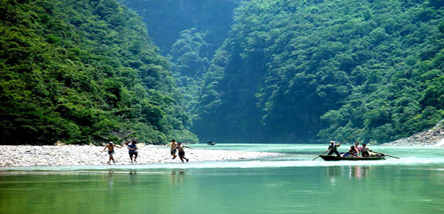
point(75, 155)
point(431, 137)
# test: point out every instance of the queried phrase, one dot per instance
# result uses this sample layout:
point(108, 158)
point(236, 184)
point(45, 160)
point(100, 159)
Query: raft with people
point(337, 158)
point(355, 153)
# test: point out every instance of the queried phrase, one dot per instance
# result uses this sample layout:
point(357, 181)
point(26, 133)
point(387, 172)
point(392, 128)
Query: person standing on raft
point(332, 148)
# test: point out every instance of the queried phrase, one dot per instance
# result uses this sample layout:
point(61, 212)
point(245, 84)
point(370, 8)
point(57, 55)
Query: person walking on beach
point(181, 147)
point(132, 151)
point(173, 148)
point(110, 147)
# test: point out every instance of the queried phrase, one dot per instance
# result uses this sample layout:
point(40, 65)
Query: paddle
point(392, 156)
point(387, 155)
point(316, 157)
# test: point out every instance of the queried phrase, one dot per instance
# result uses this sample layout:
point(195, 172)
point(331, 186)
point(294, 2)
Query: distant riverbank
point(75, 155)
point(431, 137)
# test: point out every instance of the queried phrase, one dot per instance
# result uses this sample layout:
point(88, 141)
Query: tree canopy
point(82, 71)
point(342, 69)
point(86, 71)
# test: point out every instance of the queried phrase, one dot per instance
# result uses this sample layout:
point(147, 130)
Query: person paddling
point(332, 148)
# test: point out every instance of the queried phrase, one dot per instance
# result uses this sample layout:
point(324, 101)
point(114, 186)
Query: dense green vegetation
point(188, 33)
point(86, 71)
point(82, 71)
point(166, 19)
point(343, 69)
point(189, 61)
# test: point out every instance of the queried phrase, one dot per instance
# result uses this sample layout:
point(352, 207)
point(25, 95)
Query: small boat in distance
point(211, 143)
point(336, 158)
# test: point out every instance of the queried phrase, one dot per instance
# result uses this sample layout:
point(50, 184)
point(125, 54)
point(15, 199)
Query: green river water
point(290, 183)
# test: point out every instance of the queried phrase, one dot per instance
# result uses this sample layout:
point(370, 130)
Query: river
point(290, 183)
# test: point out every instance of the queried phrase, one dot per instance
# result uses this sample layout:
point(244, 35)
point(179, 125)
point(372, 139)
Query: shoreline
point(433, 137)
point(88, 155)
point(408, 142)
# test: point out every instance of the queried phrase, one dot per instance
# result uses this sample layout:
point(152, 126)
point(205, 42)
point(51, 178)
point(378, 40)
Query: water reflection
point(352, 172)
point(359, 172)
point(177, 176)
point(132, 176)
point(111, 175)
point(333, 172)
point(110, 179)
point(220, 191)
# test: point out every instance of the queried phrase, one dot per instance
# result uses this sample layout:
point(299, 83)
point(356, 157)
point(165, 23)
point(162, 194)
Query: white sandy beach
point(75, 155)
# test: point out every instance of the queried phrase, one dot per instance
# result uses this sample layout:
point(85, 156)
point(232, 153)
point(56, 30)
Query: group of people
point(178, 147)
point(132, 150)
point(354, 151)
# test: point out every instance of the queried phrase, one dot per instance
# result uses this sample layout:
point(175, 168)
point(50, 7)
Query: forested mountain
point(342, 69)
point(82, 71)
point(86, 71)
point(188, 32)
point(166, 19)
point(190, 59)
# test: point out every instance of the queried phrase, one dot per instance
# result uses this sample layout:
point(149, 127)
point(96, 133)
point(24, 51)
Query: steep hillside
point(82, 71)
point(166, 19)
point(342, 69)
point(86, 71)
point(188, 32)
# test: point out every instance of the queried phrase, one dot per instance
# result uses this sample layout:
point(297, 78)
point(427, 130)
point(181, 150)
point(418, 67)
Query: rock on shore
point(75, 155)
point(431, 137)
